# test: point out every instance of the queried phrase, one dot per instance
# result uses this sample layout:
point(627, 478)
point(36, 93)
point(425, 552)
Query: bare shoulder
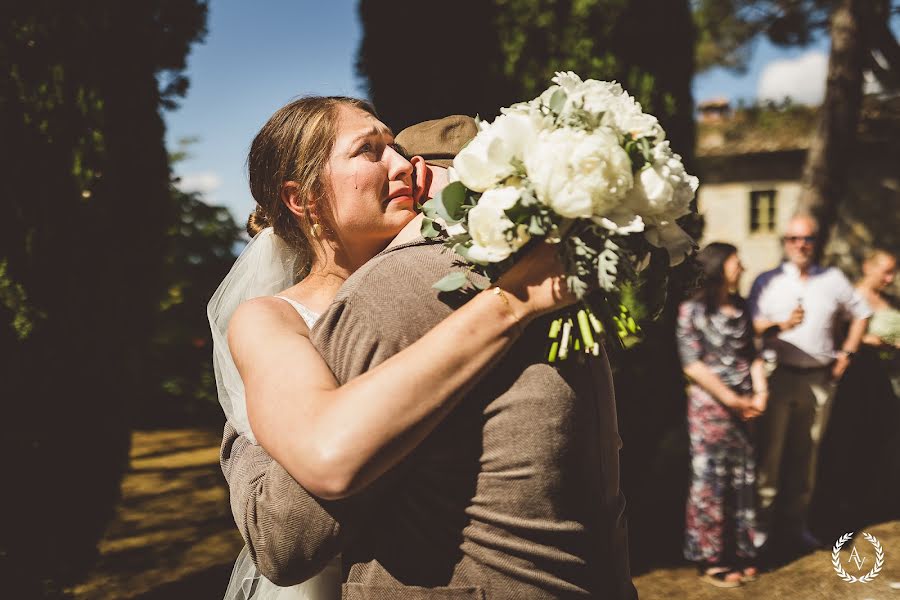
point(264, 316)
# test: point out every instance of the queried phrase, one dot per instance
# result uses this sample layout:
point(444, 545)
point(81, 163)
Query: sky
point(258, 56)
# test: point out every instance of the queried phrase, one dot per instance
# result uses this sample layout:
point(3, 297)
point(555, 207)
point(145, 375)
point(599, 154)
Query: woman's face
point(732, 269)
point(369, 181)
point(880, 270)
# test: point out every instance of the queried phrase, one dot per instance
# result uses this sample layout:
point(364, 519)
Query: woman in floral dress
point(727, 390)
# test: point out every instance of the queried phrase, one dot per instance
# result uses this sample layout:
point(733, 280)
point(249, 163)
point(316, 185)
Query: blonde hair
point(295, 145)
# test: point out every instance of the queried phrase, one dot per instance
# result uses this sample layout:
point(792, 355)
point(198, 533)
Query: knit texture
point(514, 496)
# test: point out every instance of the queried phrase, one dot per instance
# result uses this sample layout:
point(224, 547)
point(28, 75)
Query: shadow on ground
point(172, 535)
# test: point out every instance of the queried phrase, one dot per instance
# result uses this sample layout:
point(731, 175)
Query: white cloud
point(801, 78)
point(204, 182)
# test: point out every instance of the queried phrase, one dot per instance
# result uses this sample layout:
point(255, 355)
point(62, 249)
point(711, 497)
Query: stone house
point(750, 163)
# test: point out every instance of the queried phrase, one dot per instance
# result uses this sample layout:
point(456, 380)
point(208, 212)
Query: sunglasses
point(808, 239)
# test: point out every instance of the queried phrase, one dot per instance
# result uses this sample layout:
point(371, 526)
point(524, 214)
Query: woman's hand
point(743, 406)
point(537, 283)
point(757, 405)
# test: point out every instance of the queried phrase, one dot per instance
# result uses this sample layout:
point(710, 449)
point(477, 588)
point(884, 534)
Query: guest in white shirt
point(794, 308)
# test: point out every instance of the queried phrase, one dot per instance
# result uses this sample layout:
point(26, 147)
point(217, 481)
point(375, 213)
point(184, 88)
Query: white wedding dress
point(265, 267)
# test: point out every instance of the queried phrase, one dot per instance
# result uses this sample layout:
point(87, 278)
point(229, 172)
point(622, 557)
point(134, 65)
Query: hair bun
point(257, 222)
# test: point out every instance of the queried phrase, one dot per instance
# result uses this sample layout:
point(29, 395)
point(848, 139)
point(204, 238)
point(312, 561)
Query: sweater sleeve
point(291, 535)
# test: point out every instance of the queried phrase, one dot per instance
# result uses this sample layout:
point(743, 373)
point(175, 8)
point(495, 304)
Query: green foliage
point(511, 48)
point(759, 127)
point(15, 300)
point(451, 282)
point(86, 206)
point(727, 29)
point(199, 251)
point(609, 40)
point(448, 205)
point(453, 67)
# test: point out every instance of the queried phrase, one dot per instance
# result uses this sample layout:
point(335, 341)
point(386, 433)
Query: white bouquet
point(581, 166)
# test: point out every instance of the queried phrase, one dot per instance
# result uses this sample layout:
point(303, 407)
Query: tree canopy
point(473, 57)
point(86, 210)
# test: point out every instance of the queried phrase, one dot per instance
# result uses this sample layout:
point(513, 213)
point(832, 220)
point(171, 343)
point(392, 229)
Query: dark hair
point(712, 262)
point(294, 145)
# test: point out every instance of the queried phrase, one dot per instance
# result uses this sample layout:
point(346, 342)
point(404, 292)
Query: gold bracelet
point(498, 292)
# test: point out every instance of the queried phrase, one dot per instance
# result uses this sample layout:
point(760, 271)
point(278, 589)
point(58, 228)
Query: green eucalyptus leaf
point(429, 209)
point(558, 100)
point(481, 284)
point(452, 282)
point(463, 250)
point(430, 229)
point(462, 238)
point(449, 202)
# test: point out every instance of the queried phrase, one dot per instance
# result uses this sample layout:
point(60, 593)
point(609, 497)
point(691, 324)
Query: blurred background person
point(883, 334)
point(795, 307)
point(853, 493)
point(728, 388)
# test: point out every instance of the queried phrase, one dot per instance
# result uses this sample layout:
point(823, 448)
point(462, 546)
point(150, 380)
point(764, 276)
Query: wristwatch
point(849, 354)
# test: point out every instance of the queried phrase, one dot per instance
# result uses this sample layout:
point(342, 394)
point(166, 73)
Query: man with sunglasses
point(794, 308)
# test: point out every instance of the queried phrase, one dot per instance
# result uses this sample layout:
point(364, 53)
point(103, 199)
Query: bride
point(332, 191)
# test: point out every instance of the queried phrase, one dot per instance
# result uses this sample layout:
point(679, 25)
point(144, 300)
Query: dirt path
point(811, 578)
point(173, 538)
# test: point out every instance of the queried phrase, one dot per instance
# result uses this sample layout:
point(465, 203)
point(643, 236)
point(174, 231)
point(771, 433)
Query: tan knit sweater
point(514, 496)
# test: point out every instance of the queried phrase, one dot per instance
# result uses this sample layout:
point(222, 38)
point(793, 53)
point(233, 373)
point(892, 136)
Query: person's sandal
point(749, 573)
point(722, 577)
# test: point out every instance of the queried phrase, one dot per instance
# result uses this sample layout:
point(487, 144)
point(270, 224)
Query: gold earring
point(316, 230)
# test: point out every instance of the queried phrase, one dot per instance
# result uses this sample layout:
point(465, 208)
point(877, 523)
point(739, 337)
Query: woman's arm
point(760, 389)
point(709, 381)
point(334, 440)
point(690, 350)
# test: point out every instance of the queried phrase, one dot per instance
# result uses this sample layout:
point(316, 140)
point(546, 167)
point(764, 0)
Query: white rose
point(577, 174)
point(488, 159)
point(673, 238)
point(490, 228)
point(662, 190)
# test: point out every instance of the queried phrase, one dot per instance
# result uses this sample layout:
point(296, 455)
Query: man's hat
point(439, 140)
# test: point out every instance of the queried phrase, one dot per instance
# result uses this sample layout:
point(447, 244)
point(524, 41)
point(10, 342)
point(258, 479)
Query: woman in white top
point(883, 333)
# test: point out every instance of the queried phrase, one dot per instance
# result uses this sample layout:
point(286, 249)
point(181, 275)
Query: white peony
point(567, 80)
point(489, 158)
point(490, 228)
point(606, 103)
point(673, 238)
point(578, 174)
point(662, 190)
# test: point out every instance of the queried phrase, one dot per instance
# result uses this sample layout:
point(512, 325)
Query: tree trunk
point(827, 163)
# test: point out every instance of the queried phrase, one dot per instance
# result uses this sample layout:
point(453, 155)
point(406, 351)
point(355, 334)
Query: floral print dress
point(721, 511)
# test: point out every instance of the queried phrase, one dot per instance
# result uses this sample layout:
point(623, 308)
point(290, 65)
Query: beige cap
point(439, 140)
